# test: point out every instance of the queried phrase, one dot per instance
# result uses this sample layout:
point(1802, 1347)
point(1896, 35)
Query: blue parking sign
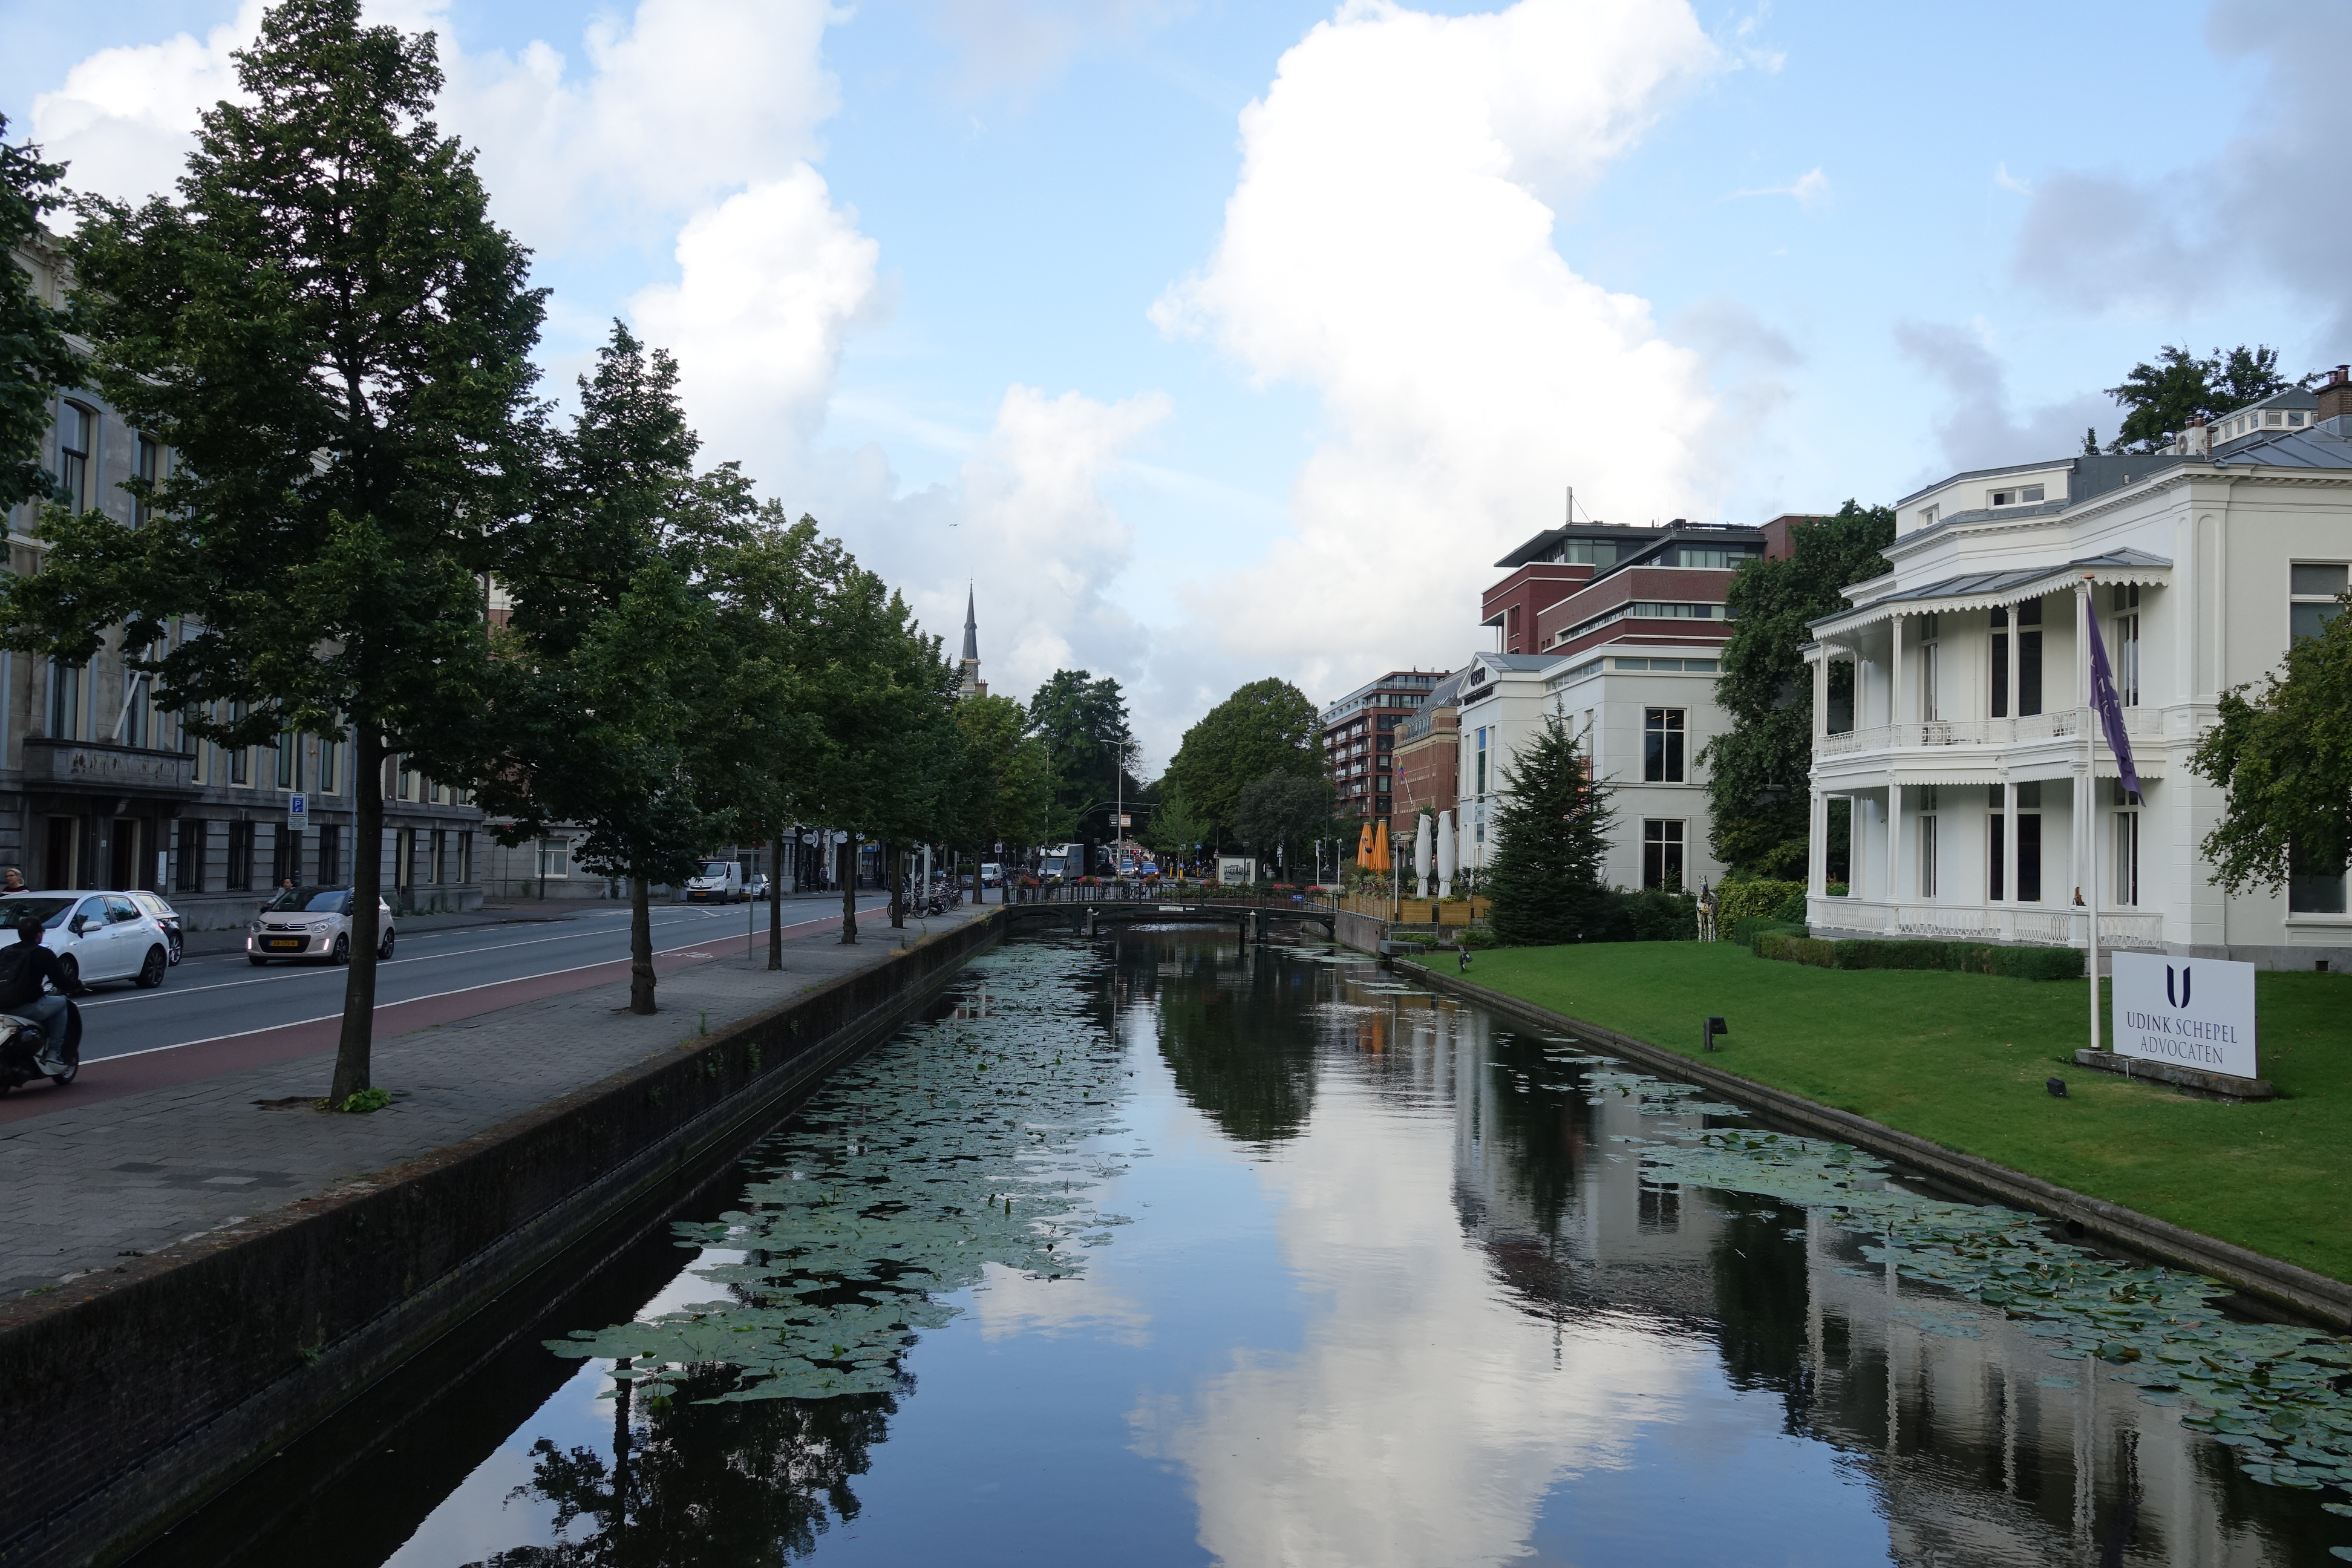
point(298, 811)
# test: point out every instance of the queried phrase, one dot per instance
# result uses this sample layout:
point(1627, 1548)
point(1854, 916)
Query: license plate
point(293, 944)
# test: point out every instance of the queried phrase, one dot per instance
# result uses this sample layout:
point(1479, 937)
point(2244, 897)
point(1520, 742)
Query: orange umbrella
point(1381, 846)
point(1364, 847)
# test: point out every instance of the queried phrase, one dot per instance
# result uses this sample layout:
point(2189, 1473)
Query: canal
point(1164, 1251)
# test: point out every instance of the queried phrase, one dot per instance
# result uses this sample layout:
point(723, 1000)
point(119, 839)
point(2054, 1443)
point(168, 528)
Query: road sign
point(1125, 821)
point(298, 812)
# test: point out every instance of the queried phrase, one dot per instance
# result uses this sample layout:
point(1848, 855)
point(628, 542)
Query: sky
point(1205, 340)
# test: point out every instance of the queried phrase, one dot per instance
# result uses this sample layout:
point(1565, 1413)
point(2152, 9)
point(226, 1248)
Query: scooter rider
point(21, 969)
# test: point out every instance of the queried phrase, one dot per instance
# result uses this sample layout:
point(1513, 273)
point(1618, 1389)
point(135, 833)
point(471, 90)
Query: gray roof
point(1517, 660)
point(1974, 584)
point(2327, 444)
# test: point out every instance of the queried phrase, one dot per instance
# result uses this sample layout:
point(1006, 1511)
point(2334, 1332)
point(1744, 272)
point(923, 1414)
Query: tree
point(1082, 719)
point(2283, 758)
point(1283, 812)
point(1266, 727)
point(337, 339)
point(1007, 776)
point(35, 357)
point(1757, 770)
point(2160, 399)
point(1175, 830)
point(612, 704)
point(1552, 835)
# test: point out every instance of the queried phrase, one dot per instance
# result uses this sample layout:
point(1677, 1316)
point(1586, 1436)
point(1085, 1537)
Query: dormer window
point(2024, 495)
point(2275, 417)
point(2295, 416)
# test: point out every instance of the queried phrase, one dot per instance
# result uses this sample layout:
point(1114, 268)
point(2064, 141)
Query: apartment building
point(1961, 789)
point(1359, 732)
point(102, 786)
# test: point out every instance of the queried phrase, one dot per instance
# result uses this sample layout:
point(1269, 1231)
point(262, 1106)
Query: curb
point(2300, 1290)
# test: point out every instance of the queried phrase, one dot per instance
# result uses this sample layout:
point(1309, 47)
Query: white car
point(96, 935)
point(992, 874)
point(314, 924)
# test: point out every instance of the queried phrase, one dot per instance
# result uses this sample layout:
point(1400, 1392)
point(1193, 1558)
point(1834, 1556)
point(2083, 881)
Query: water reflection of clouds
point(1010, 1303)
point(1427, 1416)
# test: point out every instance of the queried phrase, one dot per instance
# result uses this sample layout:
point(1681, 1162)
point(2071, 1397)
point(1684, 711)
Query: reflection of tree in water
point(743, 1485)
point(1239, 1034)
point(1761, 1295)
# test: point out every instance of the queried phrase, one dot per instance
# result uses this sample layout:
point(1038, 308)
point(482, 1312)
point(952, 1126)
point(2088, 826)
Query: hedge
point(1963, 957)
point(1737, 900)
point(1749, 930)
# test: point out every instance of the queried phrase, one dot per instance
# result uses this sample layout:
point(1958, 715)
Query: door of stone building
point(126, 845)
point(57, 870)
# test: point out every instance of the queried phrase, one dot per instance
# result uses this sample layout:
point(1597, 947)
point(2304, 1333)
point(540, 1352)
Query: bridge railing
point(1171, 893)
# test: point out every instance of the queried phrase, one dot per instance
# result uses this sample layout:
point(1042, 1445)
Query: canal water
point(1165, 1251)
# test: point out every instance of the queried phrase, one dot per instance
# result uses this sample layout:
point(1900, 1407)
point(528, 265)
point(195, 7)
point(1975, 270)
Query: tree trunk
point(353, 1048)
point(849, 888)
point(641, 946)
point(776, 902)
point(893, 858)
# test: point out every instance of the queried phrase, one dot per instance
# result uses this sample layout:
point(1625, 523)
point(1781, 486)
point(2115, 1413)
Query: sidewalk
point(92, 1187)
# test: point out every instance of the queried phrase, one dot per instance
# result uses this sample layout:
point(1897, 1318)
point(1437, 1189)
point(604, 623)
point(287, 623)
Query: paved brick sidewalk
point(88, 1189)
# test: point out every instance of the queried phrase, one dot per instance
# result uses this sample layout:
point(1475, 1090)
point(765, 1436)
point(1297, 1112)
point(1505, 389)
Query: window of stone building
point(153, 471)
point(1662, 745)
point(2029, 843)
point(65, 700)
point(331, 763)
point(465, 855)
point(1661, 854)
point(290, 760)
point(240, 856)
point(188, 873)
point(2312, 590)
point(331, 853)
point(2312, 888)
point(77, 433)
point(240, 758)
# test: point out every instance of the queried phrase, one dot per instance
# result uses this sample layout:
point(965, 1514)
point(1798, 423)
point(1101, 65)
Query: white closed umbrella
point(1422, 835)
point(1445, 855)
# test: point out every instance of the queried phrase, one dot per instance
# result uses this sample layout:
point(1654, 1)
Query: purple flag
point(2111, 711)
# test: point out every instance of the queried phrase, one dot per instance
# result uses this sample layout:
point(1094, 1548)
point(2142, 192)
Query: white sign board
point(2190, 1012)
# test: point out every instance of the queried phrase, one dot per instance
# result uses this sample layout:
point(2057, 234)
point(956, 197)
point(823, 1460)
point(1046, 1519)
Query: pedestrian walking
point(12, 880)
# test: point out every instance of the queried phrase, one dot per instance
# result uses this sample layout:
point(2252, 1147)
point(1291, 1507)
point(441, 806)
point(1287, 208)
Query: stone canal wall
point(133, 1400)
point(2299, 1291)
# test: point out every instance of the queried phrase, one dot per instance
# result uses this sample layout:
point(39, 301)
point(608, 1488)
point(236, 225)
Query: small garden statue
point(1707, 906)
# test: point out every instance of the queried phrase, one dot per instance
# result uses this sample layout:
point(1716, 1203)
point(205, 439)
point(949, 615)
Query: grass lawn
point(1960, 1059)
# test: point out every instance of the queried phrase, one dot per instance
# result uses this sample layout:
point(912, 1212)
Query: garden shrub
point(1738, 901)
point(1961, 957)
point(1749, 930)
point(1793, 908)
point(1797, 949)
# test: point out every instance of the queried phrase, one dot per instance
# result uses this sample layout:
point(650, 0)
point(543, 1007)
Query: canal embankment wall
point(135, 1397)
point(2266, 1279)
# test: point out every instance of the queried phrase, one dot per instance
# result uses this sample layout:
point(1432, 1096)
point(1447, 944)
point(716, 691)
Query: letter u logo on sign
point(2182, 1000)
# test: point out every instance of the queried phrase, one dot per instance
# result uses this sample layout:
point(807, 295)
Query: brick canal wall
point(131, 1401)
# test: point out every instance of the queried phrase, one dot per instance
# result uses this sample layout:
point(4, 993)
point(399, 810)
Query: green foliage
point(2283, 759)
point(2161, 398)
point(1552, 835)
point(1266, 727)
point(365, 1100)
point(1757, 769)
point(1750, 931)
point(1284, 811)
point(1736, 899)
point(1794, 909)
point(1956, 957)
point(35, 357)
point(1175, 829)
point(1007, 774)
point(1082, 719)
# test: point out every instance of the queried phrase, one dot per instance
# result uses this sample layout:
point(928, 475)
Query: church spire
point(972, 685)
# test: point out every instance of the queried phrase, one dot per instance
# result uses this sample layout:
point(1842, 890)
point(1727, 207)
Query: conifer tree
point(1551, 837)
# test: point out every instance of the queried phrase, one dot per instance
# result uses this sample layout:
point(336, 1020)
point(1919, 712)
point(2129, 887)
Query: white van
point(720, 882)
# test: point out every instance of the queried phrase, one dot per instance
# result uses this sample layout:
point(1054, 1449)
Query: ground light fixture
point(1709, 1030)
point(2057, 1087)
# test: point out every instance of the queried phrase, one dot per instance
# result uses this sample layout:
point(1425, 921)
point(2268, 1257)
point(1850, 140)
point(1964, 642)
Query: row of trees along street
point(335, 338)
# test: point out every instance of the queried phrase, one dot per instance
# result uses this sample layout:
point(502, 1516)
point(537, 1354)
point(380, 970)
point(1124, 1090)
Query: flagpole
point(2090, 602)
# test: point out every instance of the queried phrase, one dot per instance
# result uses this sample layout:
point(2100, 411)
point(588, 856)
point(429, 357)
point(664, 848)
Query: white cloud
point(2009, 181)
point(770, 282)
point(1979, 430)
point(124, 119)
point(2271, 203)
point(1811, 189)
point(1390, 244)
point(1018, 46)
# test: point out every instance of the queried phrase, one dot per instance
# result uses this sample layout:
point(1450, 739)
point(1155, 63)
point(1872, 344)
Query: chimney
point(2197, 441)
point(2335, 395)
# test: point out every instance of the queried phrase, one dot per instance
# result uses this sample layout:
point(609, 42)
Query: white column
point(2009, 835)
point(1893, 839)
point(2016, 653)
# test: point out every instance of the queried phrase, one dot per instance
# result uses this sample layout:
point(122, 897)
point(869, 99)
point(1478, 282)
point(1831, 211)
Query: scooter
point(24, 1055)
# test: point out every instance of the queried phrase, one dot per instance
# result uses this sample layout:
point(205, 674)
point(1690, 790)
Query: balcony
point(2062, 723)
point(2055, 927)
point(95, 766)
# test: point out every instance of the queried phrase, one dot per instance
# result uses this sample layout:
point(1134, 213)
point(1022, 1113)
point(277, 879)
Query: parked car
point(759, 886)
point(96, 935)
point(313, 923)
point(992, 874)
point(720, 882)
point(162, 914)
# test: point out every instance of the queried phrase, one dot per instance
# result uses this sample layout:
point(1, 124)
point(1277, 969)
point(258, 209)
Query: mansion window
point(1662, 745)
point(1662, 855)
point(2029, 844)
point(2022, 495)
point(2017, 659)
point(1928, 842)
point(65, 702)
point(1927, 629)
point(2125, 652)
point(2313, 887)
point(2313, 591)
point(2124, 854)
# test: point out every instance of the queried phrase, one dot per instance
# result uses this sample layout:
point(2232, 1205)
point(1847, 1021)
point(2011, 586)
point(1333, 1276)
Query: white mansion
point(1961, 782)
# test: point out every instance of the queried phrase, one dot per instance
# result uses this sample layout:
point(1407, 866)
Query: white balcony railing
point(2058, 724)
point(2056, 927)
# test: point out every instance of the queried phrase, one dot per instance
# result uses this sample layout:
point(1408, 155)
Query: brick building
point(1360, 739)
point(1425, 758)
